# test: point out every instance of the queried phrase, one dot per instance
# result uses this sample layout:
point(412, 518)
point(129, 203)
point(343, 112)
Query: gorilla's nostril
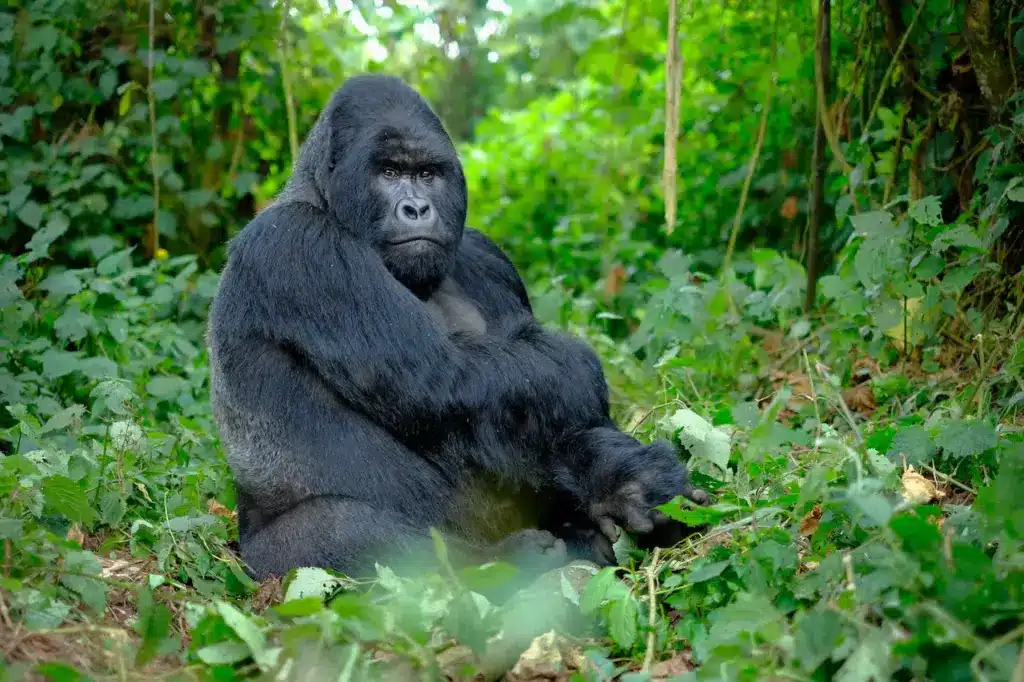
point(410, 212)
point(425, 211)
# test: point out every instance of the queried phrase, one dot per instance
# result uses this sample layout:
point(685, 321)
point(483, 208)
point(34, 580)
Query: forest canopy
point(793, 231)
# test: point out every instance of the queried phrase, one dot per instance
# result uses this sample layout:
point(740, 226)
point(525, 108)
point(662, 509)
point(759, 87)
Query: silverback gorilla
point(377, 371)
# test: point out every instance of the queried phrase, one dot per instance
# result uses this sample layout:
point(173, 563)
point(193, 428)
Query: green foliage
point(823, 557)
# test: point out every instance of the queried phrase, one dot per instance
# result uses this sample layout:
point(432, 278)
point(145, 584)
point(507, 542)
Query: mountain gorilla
point(377, 371)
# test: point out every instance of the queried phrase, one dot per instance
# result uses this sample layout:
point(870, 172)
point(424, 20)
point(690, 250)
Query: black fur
point(356, 416)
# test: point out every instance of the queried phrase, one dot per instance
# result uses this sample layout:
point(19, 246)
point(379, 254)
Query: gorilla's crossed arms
point(377, 371)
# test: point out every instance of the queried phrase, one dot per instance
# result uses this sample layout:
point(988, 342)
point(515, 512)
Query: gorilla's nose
point(415, 213)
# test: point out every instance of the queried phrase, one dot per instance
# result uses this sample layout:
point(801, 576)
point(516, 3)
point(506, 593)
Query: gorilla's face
point(411, 205)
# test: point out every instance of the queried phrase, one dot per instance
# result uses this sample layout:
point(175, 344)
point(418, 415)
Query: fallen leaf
point(861, 399)
point(919, 489)
point(614, 282)
point(679, 664)
point(76, 534)
point(789, 208)
point(810, 522)
point(545, 659)
point(216, 508)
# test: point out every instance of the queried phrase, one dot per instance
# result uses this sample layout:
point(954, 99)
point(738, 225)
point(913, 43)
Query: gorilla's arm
point(329, 301)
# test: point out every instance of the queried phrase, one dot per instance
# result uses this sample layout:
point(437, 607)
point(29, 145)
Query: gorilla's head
point(385, 167)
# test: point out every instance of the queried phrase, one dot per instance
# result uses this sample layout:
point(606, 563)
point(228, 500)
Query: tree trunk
point(819, 162)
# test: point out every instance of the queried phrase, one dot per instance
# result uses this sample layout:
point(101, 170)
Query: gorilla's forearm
point(376, 345)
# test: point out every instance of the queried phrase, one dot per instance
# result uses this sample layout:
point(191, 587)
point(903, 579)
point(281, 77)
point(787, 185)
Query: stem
point(673, 84)
point(766, 106)
point(892, 65)
point(652, 612)
point(823, 51)
point(286, 81)
point(153, 242)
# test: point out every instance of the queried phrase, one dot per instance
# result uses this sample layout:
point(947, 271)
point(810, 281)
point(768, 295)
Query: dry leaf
point(614, 282)
point(919, 489)
point(218, 509)
point(679, 664)
point(789, 208)
point(76, 534)
point(545, 659)
point(810, 522)
point(861, 399)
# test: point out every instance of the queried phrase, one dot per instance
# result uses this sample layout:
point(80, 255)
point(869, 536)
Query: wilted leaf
point(809, 523)
point(919, 489)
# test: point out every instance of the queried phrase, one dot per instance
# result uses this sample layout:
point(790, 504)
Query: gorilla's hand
point(631, 506)
point(533, 548)
point(619, 481)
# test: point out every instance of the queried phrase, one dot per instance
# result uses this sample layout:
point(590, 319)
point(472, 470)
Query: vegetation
point(830, 321)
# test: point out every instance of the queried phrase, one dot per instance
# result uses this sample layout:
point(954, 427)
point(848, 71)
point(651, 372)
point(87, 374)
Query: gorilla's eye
point(426, 175)
point(390, 173)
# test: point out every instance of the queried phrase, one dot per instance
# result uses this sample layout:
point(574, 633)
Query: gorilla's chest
point(455, 311)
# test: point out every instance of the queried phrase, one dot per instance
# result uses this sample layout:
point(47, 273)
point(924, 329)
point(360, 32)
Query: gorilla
point(376, 371)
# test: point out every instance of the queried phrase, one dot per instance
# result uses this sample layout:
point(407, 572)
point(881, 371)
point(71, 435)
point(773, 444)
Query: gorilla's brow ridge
point(404, 148)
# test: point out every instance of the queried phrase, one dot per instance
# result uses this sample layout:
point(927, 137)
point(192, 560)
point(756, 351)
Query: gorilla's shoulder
point(281, 228)
point(481, 259)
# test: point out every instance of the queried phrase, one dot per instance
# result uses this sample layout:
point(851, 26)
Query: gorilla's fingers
point(696, 495)
point(638, 521)
point(608, 529)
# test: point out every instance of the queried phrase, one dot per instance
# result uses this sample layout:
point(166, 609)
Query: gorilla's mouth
point(413, 239)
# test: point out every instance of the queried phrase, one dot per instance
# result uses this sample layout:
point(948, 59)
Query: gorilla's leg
point(349, 536)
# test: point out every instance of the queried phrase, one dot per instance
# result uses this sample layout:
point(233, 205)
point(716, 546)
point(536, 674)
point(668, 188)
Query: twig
point(289, 100)
point(652, 612)
point(154, 232)
point(727, 261)
point(892, 65)
point(948, 479)
point(673, 84)
point(989, 648)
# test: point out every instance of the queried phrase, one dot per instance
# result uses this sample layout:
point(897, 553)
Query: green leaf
point(622, 621)
point(60, 672)
point(108, 82)
point(927, 211)
point(707, 571)
point(873, 223)
point(297, 608)
point(112, 507)
point(223, 653)
point(597, 589)
point(957, 278)
point(246, 630)
point(959, 237)
point(310, 582)
point(31, 214)
point(164, 88)
point(487, 576)
point(73, 325)
point(961, 439)
point(153, 624)
point(40, 243)
point(818, 634)
point(870, 662)
point(64, 496)
point(10, 529)
point(63, 419)
point(702, 440)
point(1016, 193)
point(92, 591)
point(64, 283)
point(115, 396)
point(748, 614)
point(914, 443)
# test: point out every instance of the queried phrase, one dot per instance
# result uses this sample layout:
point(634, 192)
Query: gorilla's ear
point(338, 137)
